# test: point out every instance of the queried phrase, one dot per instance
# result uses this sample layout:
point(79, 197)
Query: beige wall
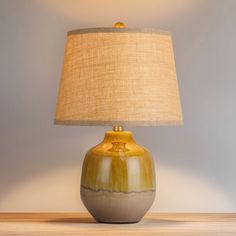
point(40, 163)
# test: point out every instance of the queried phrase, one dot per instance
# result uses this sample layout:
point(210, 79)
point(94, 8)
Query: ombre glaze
point(118, 179)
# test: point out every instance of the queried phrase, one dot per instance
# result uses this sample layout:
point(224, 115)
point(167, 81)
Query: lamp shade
point(118, 76)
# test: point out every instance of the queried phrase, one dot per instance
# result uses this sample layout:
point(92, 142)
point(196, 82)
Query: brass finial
point(119, 25)
point(118, 128)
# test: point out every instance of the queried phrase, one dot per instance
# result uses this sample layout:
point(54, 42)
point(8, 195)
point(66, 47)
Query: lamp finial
point(119, 25)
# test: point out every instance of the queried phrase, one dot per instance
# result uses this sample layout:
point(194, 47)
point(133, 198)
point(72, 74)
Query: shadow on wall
point(58, 190)
point(44, 168)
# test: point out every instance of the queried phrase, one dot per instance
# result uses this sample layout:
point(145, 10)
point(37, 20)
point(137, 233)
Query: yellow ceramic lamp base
point(118, 179)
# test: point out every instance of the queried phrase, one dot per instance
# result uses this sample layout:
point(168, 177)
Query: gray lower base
point(117, 207)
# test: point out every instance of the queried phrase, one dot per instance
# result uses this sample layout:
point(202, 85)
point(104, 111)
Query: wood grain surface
point(166, 224)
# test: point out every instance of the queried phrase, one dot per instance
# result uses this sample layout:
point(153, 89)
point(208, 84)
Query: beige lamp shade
point(118, 76)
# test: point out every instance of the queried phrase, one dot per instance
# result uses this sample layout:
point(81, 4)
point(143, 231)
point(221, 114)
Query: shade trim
point(114, 123)
point(117, 30)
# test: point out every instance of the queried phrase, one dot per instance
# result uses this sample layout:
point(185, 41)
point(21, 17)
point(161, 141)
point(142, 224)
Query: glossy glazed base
point(118, 180)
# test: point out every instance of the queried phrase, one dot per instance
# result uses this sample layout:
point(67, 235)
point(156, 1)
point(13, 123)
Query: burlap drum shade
point(118, 76)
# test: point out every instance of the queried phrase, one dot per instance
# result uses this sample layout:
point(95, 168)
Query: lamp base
point(118, 179)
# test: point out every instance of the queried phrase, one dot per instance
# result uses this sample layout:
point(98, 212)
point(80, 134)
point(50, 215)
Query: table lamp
point(118, 76)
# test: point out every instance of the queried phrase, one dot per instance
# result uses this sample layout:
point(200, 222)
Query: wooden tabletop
point(165, 224)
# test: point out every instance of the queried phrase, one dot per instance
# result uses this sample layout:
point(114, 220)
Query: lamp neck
point(118, 128)
point(118, 137)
